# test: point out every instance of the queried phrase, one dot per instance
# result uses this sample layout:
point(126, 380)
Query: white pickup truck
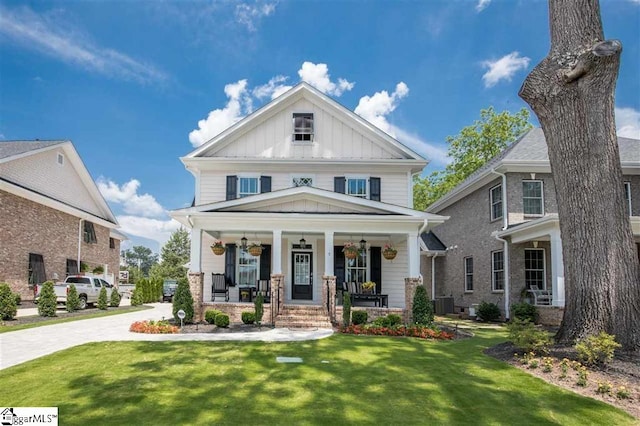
point(88, 289)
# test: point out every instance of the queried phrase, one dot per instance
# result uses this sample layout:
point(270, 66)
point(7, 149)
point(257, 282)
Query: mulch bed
point(205, 327)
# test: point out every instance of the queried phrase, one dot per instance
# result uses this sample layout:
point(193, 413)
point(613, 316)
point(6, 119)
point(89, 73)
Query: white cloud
point(127, 195)
point(272, 89)
point(376, 108)
point(628, 122)
point(52, 36)
point(250, 15)
point(435, 154)
point(153, 229)
point(218, 120)
point(482, 5)
point(504, 68)
point(317, 75)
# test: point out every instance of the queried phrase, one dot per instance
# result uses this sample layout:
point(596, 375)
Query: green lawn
point(343, 380)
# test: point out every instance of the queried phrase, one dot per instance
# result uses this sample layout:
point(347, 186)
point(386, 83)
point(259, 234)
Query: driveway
point(21, 346)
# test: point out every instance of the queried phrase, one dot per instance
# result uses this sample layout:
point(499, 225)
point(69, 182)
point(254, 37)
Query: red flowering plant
point(153, 327)
point(418, 331)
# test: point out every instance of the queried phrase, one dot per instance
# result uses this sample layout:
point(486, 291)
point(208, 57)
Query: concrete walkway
point(21, 346)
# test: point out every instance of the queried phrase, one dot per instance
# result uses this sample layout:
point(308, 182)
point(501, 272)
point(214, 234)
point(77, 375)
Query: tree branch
point(587, 59)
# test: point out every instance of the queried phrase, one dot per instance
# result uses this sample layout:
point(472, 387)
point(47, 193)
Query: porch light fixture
point(243, 242)
point(535, 244)
point(363, 244)
point(303, 242)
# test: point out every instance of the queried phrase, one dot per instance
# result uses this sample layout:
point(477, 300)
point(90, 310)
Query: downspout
point(79, 243)
point(505, 245)
point(433, 276)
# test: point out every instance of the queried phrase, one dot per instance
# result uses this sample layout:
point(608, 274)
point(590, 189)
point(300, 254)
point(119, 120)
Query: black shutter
point(376, 267)
point(232, 187)
point(265, 262)
point(338, 266)
point(374, 188)
point(265, 184)
point(230, 265)
point(338, 184)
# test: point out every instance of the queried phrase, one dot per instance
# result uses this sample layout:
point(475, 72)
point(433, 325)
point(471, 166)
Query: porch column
point(328, 253)
point(413, 253)
point(557, 269)
point(196, 250)
point(276, 252)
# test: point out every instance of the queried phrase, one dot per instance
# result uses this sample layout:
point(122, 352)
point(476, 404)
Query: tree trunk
point(572, 93)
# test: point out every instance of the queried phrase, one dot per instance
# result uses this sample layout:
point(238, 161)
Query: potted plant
point(98, 270)
point(368, 286)
point(218, 248)
point(350, 250)
point(254, 248)
point(389, 252)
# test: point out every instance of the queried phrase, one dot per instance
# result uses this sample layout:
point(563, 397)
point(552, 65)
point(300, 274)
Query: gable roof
point(527, 154)
point(301, 90)
point(432, 242)
point(9, 149)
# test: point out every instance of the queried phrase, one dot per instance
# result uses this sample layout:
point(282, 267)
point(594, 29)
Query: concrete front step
point(301, 316)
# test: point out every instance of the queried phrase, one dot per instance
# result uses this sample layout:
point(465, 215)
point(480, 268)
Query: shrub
point(488, 311)
point(103, 303)
point(47, 301)
point(359, 317)
point(153, 327)
point(525, 311)
point(8, 308)
point(222, 320)
point(597, 349)
point(382, 322)
point(136, 297)
point(183, 300)
point(211, 314)
point(259, 308)
point(114, 301)
point(394, 320)
point(527, 337)
point(73, 301)
point(98, 269)
point(422, 308)
point(248, 317)
point(583, 375)
point(623, 393)
point(604, 388)
point(18, 298)
point(346, 308)
point(419, 331)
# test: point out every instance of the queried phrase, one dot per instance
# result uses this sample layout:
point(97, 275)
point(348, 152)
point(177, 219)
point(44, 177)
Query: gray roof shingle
point(12, 148)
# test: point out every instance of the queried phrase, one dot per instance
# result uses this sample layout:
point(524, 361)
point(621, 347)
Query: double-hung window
point(495, 194)
point(248, 268)
point(532, 199)
point(302, 127)
point(468, 274)
point(497, 271)
point(357, 187)
point(89, 233)
point(37, 273)
point(627, 197)
point(248, 186)
point(534, 268)
point(356, 270)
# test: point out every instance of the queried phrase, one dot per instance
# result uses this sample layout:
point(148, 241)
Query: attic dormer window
point(60, 159)
point(302, 127)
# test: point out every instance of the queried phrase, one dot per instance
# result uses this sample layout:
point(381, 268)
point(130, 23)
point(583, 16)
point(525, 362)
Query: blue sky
point(136, 85)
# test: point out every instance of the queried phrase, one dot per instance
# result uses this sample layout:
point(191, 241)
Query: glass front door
point(302, 275)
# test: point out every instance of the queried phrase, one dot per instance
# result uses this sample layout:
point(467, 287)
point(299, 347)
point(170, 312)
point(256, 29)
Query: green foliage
point(73, 301)
point(103, 302)
point(525, 311)
point(488, 311)
point(18, 298)
point(259, 308)
point(390, 320)
point(346, 309)
point(598, 349)
point(98, 269)
point(469, 150)
point(525, 336)
point(422, 308)
point(47, 301)
point(175, 253)
point(114, 301)
point(248, 317)
point(359, 317)
point(222, 321)
point(136, 297)
point(84, 267)
point(8, 308)
point(211, 314)
point(141, 258)
point(183, 300)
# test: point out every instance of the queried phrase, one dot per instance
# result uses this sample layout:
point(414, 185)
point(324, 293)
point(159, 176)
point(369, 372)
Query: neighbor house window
point(534, 268)
point(627, 196)
point(89, 233)
point(248, 186)
point(303, 181)
point(468, 274)
point(302, 127)
point(37, 274)
point(495, 194)
point(357, 187)
point(247, 267)
point(72, 266)
point(356, 270)
point(112, 243)
point(532, 200)
point(497, 271)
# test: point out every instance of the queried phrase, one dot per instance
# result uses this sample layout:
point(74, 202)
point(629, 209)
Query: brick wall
point(28, 227)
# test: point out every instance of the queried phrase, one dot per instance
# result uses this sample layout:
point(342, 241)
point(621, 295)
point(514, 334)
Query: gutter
point(505, 245)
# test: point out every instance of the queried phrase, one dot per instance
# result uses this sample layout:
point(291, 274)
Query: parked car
point(169, 290)
point(88, 289)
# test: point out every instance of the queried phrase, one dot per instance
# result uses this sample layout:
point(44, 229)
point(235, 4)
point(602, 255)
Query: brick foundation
point(410, 285)
point(550, 315)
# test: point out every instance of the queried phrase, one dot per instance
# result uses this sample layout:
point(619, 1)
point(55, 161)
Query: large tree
point(174, 255)
point(572, 93)
point(140, 257)
point(469, 150)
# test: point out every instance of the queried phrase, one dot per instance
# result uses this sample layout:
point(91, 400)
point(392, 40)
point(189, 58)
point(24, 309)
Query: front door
point(302, 275)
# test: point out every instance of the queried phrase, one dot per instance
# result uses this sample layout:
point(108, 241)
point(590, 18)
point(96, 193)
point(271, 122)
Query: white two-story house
point(303, 176)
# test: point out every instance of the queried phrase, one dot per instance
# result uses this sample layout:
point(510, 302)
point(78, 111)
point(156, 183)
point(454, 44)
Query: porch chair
point(540, 297)
point(263, 287)
point(219, 285)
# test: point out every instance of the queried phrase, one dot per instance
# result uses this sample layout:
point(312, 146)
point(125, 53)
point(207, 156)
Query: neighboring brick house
point(52, 216)
point(304, 176)
point(511, 198)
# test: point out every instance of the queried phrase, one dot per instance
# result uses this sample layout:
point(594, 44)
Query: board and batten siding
point(333, 138)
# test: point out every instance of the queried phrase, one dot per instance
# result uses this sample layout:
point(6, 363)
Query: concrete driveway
point(21, 346)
